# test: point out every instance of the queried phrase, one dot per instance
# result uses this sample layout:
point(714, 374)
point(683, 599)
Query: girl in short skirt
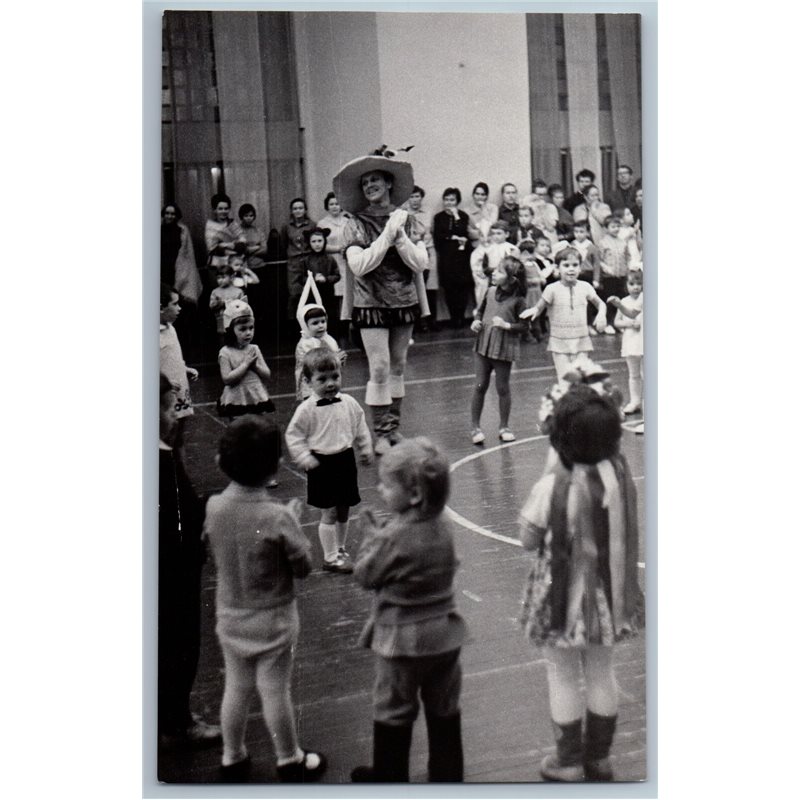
point(582, 594)
point(497, 346)
point(321, 438)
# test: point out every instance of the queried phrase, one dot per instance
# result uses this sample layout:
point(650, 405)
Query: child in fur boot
point(414, 630)
point(582, 594)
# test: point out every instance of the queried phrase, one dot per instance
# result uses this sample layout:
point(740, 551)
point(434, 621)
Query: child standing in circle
point(243, 369)
point(497, 346)
point(629, 321)
point(172, 363)
point(322, 437)
point(258, 550)
point(415, 630)
point(582, 593)
point(566, 303)
point(313, 321)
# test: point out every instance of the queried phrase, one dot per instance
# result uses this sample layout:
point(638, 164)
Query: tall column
point(580, 42)
point(543, 85)
point(621, 33)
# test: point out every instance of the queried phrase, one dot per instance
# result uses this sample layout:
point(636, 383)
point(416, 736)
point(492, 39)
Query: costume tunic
point(392, 292)
point(499, 343)
point(566, 309)
point(583, 585)
point(249, 395)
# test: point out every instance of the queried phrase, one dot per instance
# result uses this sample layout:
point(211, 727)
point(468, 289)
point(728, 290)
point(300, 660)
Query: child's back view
point(258, 550)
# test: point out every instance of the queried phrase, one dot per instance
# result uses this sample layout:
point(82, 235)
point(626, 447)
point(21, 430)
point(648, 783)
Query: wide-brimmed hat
point(347, 183)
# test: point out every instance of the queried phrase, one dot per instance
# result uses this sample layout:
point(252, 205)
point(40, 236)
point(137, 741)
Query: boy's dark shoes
point(238, 772)
point(311, 768)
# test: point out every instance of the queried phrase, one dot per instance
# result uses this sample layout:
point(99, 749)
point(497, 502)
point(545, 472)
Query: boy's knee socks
point(327, 538)
point(341, 534)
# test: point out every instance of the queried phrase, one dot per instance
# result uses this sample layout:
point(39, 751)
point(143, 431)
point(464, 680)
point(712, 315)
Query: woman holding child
point(384, 288)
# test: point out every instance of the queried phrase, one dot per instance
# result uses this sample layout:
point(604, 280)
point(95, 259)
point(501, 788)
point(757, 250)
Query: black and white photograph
point(402, 449)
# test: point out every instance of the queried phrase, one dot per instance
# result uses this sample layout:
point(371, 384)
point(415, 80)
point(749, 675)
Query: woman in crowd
point(255, 240)
point(178, 267)
point(335, 220)
point(294, 243)
point(222, 232)
point(593, 209)
point(482, 214)
point(451, 229)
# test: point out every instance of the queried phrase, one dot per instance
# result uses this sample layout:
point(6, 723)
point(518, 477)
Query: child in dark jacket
point(323, 267)
point(415, 629)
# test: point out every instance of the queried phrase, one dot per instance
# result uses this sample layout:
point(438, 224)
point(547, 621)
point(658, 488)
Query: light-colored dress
point(566, 309)
point(174, 367)
point(250, 394)
point(632, 339)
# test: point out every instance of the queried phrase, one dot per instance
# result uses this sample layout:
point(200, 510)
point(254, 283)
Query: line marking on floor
point(471, 596)
point(424, 381)
point(479, 529)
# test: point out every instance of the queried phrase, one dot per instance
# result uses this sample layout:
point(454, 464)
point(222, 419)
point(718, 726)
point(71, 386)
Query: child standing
point(497, 345)
point(258, 550)
point(313, 321)
point(485, 258)
point(582, 593)
point(224, 292)
point(321, 438)
point(535, 283)
point(415, 630)
point(566, 303)
point(629, 320)
point(615, 261)
point(322, 266)
point(242, 367)
point(590, 255)
point(172, 363)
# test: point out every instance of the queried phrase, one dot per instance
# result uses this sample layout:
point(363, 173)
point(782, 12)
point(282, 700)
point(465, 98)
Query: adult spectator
point(538, 190)
point(594, 210)
point(222, 234)
point(178, 266)
point(255, 239)
point(556, 194)
point(481, 213)
point(295, 245)
point(624, 194)
point(431, 275)
point(584, 179)
point(509, 210)
point(384, 290)
point(638, 207)
point(335, 220)
point(450, 238)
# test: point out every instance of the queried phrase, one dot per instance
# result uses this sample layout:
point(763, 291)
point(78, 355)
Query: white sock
point(635, 388)
point(327, 538)
point(341, 534)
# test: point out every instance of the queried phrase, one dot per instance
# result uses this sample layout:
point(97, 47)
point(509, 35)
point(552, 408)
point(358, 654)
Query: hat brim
point(347, 183)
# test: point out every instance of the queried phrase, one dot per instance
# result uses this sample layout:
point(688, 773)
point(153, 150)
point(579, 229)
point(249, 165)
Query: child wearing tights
point(629, 321)
point(582, 594)
point(497, 345)
point(259, 549)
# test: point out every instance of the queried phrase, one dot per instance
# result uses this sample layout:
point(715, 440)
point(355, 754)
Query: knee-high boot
point(599, 736)
point(397, 390)
point(379, 399)
point(567, 764)
point(445, 751)
point(391, 745)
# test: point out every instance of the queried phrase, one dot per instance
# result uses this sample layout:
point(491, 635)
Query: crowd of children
point(582, 594)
